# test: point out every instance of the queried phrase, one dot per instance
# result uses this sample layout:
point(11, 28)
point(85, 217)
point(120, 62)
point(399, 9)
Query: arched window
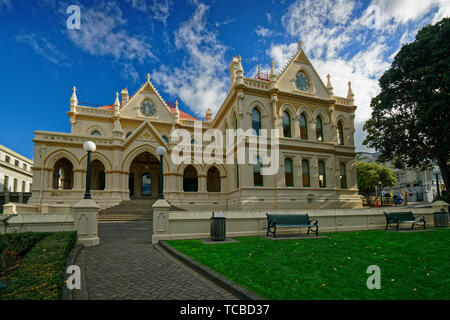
point(190, 179)
point(235, 122)
point(322, 176)
point(258, 180)
point(340, 133)
point(146, 184)
point(288, 173)
point(305, 173)
point(256, 121)
point(128, 135)
point(286, 125)
point(97, 175)
point(63, 175)
point(343, 175)
point(213, 180)
point(166, 140)
point(302, 82)
point(96, 133)
point(319, 129)
point(303, 127)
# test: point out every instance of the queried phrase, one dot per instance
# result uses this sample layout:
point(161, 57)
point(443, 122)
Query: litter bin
point(441, 219)
point(218, 227)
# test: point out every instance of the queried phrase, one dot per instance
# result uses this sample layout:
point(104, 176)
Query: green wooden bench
point(395, 218)
point(275, 221)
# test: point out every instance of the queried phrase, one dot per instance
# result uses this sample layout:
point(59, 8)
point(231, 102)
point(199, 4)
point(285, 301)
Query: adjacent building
point(316, 147)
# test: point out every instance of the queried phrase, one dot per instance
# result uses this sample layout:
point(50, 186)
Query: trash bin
point(441, 219)
point(218, 227)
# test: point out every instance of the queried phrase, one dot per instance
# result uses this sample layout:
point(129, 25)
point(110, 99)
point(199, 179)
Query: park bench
point(395, 218)
point(275, 221)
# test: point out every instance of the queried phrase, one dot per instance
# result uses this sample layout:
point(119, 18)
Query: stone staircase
point(131, 210)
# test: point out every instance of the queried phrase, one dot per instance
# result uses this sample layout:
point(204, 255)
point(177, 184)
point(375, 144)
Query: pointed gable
point(300, 77)
point(147, 102)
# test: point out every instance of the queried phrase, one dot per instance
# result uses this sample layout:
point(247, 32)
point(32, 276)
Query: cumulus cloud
point(159, 9)
point(103, 33)
point(200, 81)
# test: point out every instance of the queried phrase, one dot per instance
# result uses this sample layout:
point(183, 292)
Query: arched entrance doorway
point(143, 181)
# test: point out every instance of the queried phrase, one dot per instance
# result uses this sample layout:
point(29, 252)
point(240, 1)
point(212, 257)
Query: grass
point(414, 265)
point(40, 276)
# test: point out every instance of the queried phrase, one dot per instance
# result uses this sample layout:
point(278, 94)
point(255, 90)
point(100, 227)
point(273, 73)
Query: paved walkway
point(127, 266)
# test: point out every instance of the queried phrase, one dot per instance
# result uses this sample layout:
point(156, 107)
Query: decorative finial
point(350, 94)
point(300, 44)
point(73, 98)
point(148, 77)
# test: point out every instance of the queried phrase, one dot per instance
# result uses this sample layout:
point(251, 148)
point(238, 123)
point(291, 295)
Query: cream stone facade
point(316, 148)
point(16, 173)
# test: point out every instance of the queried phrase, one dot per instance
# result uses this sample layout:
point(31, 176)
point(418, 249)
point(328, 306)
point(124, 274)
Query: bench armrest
point(314, 222)
point(422, 218)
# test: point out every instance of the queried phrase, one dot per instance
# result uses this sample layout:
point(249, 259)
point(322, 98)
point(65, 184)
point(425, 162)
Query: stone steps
point(131, 210)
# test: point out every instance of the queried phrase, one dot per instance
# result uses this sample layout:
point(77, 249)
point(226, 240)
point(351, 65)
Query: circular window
point(301, 81)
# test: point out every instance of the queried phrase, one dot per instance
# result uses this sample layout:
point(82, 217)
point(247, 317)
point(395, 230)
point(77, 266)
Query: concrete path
point(127, 266)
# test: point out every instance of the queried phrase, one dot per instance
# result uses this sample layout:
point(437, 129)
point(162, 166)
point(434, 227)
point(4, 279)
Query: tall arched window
point(305, 173)
point(303, 127)
point(63, 174)
point(146, 184)
point(256, 121)
point(319, 129)
point(190, 179)
point(97, 175)
point(213, 180)
point(166, 140)
point(340, 133)
point(322, 176)
point(288, 172)
point(258, 180)
point(286, 125)
point(343, 175)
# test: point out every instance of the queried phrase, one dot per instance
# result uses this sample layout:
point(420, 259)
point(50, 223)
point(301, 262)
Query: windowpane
point(256, 121)
point(319, 129)
point(305, 173)
point(343, 176)
point(286, 125)
point(322, 178)
point(146, 184)
point(340, 133)
point(96, 133)
point(289, 179)
point(303, 127)
point(190, 179)
point(257, 177)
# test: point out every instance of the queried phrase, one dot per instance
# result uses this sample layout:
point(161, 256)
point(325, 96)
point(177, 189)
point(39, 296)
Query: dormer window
point(302, 82)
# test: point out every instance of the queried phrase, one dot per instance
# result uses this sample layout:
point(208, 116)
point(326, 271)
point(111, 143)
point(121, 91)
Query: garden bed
point(414, 265)
point(35, 264)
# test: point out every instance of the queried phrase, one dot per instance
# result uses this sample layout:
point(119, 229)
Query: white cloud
point(269, 17)
point(44, 48)
point(263, 32)
point(102, 33)
point(160, 9)
point(200, 81)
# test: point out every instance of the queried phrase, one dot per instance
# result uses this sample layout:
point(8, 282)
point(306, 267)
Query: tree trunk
point(445, 172)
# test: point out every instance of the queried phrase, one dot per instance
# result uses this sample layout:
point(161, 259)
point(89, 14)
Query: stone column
point(160, 220)
point(86, 222)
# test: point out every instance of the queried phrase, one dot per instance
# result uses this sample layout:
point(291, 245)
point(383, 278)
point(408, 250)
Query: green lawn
point(414, 265)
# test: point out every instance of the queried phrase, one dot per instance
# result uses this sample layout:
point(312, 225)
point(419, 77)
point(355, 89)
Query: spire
point(329, 86)
point(350, 94)
point(240, 65)
point(300, 44)
point(74, 99)
point(272, 76)
point(148, 77)
point(208, 116)
point(177, 112)
point(117, 103)
point(240, 72)
point(125, 95)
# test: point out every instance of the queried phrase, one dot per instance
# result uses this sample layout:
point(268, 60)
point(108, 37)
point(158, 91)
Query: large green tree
point(410, 122)
point(372, 178)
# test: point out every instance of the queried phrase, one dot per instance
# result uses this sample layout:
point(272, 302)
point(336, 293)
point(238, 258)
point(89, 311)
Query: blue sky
point(187, 46)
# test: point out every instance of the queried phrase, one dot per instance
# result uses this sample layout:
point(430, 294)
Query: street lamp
point(161, 151)
point(90, 147)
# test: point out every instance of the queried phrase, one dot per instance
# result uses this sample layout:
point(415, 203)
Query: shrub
point(41, 274)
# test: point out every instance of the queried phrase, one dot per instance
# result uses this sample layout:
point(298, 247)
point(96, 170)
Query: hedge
point(41, 274)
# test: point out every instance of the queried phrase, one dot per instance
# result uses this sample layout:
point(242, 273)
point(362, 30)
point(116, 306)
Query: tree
point(372, 178)
point(410, 121)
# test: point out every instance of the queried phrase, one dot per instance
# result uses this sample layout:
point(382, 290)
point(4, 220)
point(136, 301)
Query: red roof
point(108, 107)
point(183, 115)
